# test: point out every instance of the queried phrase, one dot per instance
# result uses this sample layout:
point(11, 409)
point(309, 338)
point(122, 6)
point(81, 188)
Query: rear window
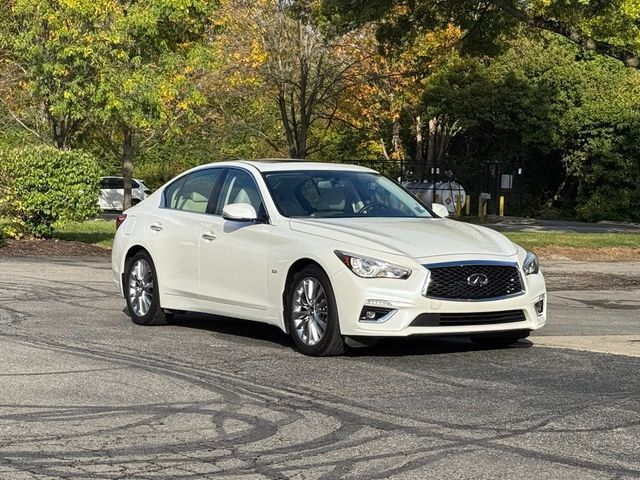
point(116, 183)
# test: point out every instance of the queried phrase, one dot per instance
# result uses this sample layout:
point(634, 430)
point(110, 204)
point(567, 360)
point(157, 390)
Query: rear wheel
point(312, 316)
point(500, 339)
point(141, 291)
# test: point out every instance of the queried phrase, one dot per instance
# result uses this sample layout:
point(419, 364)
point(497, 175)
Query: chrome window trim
point(465, 263)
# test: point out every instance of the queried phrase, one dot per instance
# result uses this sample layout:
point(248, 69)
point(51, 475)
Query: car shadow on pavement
point(250, 331)
point(233, 327)
point(400, 347)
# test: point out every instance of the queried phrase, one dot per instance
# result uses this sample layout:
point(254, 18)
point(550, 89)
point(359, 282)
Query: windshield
point(340, 194)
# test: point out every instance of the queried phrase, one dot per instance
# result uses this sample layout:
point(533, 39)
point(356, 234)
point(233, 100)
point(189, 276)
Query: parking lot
point(84, 393)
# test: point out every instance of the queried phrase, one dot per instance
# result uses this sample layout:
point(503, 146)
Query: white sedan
point(335, 255)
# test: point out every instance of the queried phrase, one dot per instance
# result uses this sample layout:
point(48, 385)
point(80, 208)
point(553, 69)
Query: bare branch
point(630, 59)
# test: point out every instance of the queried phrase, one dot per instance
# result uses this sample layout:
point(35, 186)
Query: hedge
point(41, 185)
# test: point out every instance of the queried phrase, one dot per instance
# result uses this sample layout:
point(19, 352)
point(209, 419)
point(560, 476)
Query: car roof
point(280, 164)
point(114, 176)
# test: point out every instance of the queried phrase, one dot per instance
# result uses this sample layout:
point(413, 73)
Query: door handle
point(208, 236)
point(156, 227)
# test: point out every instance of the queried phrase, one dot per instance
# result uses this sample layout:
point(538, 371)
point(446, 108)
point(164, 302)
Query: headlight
point(531, 264)
point(367, 267)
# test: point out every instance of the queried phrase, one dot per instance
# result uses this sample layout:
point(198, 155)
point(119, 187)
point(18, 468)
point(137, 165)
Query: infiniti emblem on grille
point(477, 280)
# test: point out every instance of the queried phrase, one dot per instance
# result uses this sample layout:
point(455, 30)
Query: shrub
point(40, 185)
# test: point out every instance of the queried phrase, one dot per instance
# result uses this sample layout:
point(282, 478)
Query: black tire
point(155, 315)
point(499, 340)
point(331, 342)
point(134, 202)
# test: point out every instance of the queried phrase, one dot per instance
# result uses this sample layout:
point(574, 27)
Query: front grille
point(465, 319)
point(455, 282)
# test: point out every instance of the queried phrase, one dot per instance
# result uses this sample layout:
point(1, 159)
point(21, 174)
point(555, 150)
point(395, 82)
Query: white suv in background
point(112, 193)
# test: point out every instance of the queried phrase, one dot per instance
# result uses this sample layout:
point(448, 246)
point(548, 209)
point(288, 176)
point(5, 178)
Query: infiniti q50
point(334, 255)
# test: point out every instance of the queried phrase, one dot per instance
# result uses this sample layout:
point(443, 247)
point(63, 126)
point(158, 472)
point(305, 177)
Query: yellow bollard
point(502, 205)
point(480, 208)
point(467, 205)
point(458, 206)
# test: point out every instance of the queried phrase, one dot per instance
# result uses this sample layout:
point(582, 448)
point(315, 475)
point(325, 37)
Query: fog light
point(539, 305)
point(376, 314)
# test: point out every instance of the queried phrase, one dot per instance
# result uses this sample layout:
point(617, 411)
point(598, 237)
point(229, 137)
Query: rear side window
point(110, 183)
point(191, 193)
point(171, 193)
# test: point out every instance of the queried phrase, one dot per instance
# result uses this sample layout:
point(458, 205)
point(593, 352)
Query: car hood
point(412, 237)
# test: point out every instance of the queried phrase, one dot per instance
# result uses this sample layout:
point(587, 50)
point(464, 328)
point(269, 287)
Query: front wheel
point(498, 340)
point(141, 291)
point(312, 315)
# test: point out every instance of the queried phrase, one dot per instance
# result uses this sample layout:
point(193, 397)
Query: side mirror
point(440, 210)
point(239, 212)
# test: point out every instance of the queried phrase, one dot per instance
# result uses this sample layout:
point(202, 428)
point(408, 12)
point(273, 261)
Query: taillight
point(120, 220)
point(147, 192)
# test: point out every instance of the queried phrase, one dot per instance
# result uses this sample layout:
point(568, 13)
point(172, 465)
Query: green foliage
point(609, 27)
point(115, 76)
point(42, 185)
point(569, 121)
point(163, 85)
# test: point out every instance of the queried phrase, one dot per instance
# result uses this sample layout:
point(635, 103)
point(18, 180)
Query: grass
point(94, 232)
point(534, 240)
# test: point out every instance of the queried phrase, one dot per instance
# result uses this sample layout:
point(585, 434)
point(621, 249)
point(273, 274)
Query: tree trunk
point(282, 104)
point(431, 145)
point(397, 152)
point(419, 145)
point(127, 165)
point(385, 154)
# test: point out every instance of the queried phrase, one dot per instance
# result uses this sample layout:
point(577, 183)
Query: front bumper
point(405, 297)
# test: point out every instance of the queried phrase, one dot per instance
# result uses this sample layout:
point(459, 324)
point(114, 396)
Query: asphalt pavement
point(85, 393)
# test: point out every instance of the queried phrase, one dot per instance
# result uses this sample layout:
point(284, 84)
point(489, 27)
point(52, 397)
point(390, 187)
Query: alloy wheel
point(310, 311)
point(140, 287)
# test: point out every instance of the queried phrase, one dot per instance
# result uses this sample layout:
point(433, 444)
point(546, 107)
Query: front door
point(234, 255)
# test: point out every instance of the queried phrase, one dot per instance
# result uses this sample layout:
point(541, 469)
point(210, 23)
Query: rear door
point(173, 231)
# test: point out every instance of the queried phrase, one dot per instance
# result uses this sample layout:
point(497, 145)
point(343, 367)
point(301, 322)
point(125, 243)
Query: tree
point(387, 87)
point(298, 68)
point(569, 126)
point(128, 69)
point(611, 28)
point(149, 81)
point(49, 59)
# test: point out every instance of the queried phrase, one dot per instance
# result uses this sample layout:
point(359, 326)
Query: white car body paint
point(211, 265)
